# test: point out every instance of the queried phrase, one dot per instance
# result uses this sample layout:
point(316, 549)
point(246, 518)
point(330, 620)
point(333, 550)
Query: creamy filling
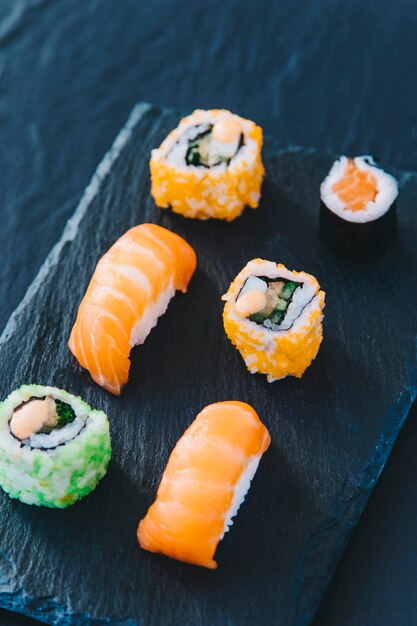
point(272, 303)
point(45, 423)
point(307, 300)
point(209, 145)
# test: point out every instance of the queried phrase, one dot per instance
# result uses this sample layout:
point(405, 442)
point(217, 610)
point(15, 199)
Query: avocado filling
point(205, 151)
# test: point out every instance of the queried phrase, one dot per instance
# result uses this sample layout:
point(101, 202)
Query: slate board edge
point(71, 227)
point(50, 610)
point(350, 516)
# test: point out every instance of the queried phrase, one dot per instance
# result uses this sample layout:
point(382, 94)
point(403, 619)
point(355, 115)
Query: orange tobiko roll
point(209, 166)
point(274, 318)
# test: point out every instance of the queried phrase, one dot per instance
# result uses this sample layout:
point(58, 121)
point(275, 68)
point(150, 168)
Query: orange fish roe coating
point(356, 188)
point(275, 353)
point(219, 192)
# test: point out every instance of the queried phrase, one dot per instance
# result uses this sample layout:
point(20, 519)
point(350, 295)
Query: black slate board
point(331, 431)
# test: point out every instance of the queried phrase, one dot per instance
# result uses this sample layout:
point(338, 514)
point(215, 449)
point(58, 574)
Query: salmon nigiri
point(130, 288)
point(205, 481)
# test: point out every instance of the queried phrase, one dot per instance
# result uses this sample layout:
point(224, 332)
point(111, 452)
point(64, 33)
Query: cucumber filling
point(279, 294)
point(204, 151)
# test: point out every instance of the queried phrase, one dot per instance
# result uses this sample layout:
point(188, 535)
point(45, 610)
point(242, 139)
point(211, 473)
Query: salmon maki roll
point(130, 288)
point(207, 477)
point(358, 216)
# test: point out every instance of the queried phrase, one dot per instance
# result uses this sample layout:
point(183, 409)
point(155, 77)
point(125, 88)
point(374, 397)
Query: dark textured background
point(331, 432)
point(330, 74)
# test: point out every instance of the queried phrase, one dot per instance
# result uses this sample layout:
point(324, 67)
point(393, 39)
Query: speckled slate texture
point(331, 431)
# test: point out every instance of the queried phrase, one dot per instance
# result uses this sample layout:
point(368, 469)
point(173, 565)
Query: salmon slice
point(356, 188)
point(130, 288)
point(205, 481)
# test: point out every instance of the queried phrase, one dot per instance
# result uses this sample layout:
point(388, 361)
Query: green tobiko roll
point(54, 448)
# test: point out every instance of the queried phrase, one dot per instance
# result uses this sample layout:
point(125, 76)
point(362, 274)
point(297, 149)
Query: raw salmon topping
point(356, 188)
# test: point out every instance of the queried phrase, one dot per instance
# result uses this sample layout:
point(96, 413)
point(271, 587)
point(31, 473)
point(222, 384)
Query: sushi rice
point(151, 315)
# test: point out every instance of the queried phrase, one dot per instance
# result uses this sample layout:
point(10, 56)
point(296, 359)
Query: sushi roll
point(358, 216)
point(274, 318)
point(209, 166)
point(207, 477)
point(130, 288)
point(54, 448)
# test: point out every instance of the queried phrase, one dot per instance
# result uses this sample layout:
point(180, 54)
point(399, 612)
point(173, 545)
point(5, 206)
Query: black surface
point(333, 74)
point(358, 242)
point(307, 72)
point(375, 582)
point(331, 431)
